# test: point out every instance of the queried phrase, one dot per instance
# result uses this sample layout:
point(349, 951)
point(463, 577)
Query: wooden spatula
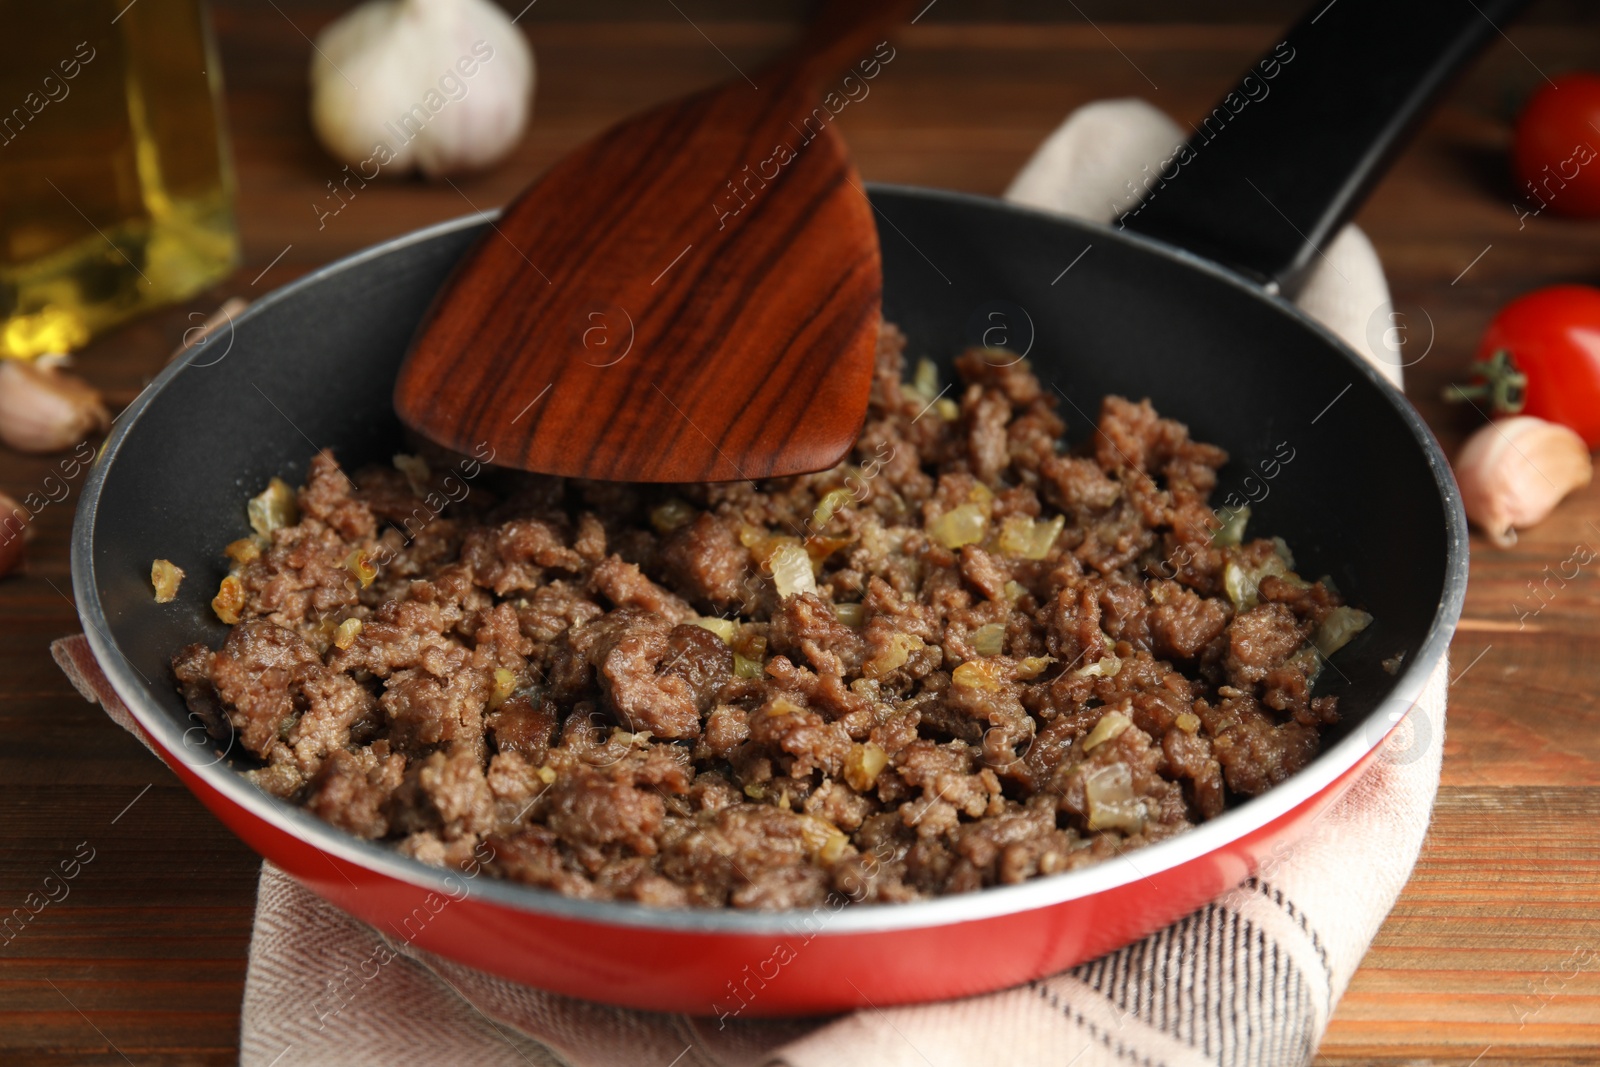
point(692, 296)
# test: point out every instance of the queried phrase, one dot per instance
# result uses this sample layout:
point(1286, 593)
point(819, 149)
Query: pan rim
point(991, 903)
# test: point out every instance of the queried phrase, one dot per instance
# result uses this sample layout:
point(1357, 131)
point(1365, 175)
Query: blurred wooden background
point(1492, 955)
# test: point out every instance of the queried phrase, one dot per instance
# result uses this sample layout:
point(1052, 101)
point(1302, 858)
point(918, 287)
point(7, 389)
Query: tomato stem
point(1497, 380)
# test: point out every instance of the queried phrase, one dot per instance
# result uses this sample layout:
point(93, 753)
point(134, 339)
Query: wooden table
point(1493, 952)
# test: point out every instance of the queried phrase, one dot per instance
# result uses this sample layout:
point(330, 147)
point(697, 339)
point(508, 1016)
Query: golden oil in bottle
point(116, 193)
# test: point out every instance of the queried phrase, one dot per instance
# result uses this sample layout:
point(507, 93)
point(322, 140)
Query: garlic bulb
point(43, 409)
point(1513, 472)
point(436, 85)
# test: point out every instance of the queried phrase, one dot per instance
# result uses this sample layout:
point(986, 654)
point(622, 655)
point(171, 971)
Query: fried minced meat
point(965, 656)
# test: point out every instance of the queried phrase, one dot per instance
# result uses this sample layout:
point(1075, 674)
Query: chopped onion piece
point(1033, 666)
point(1237, 585)
point(415, 468)
point(165, 576)
point(1106, 666)
point(828, 506)
point(825, 841)
point(505, 683)
point(670, 515)
point(989, 639)
point(273, 507)
point(926, 378)
point(763, 544)
point(744, 667)
point(863, 765)
point(819, 548)
point(1337, 630)
point(947, 409)
point(963, 525)
point(975, 674)
point(360, 564)
point(1109, 728)
point(1308, 662)
point(815, 832)
point(726, 629)
point(350, 629)
point(1243, 584)
point(1188, 722)
point(1112, 805)
point(780, 706)
point(791, 570)
point(892, 656)
point(1022, 537)
point(1280, 546)
point(1231, 532)
point(229, 601)
point(834, 850)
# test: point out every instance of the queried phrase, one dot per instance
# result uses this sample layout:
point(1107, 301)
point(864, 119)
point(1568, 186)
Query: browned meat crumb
point(1008, 661)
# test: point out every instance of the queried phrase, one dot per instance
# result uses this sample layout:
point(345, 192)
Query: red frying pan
point(1181, 302)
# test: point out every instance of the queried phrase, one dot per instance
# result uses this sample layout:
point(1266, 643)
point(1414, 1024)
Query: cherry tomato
point(1541, 356)
point(1556, 156)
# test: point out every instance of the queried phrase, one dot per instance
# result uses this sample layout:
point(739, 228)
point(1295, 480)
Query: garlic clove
point(14, 533)
point(435, 85)
point(1513, 472)
point(43, 409)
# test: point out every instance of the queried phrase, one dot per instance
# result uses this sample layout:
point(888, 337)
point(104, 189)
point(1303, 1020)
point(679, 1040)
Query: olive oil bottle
point(116, 191)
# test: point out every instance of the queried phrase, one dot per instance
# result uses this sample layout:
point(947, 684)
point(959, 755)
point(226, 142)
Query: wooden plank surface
point(1493, 953)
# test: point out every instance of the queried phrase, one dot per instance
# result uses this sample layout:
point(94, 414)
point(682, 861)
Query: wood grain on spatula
point(692, 296)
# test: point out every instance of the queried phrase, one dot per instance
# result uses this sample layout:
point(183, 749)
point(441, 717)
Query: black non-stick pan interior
point(1355, 489)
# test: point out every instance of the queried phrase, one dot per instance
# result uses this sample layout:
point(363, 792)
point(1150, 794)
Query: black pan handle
point(1287, 157)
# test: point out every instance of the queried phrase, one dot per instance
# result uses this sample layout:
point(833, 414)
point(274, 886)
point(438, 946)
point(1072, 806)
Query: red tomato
point(1541, 356)
point(1557, 152)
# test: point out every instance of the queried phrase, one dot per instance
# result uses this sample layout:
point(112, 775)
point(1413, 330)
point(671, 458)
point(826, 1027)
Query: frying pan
point(1181, 302)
